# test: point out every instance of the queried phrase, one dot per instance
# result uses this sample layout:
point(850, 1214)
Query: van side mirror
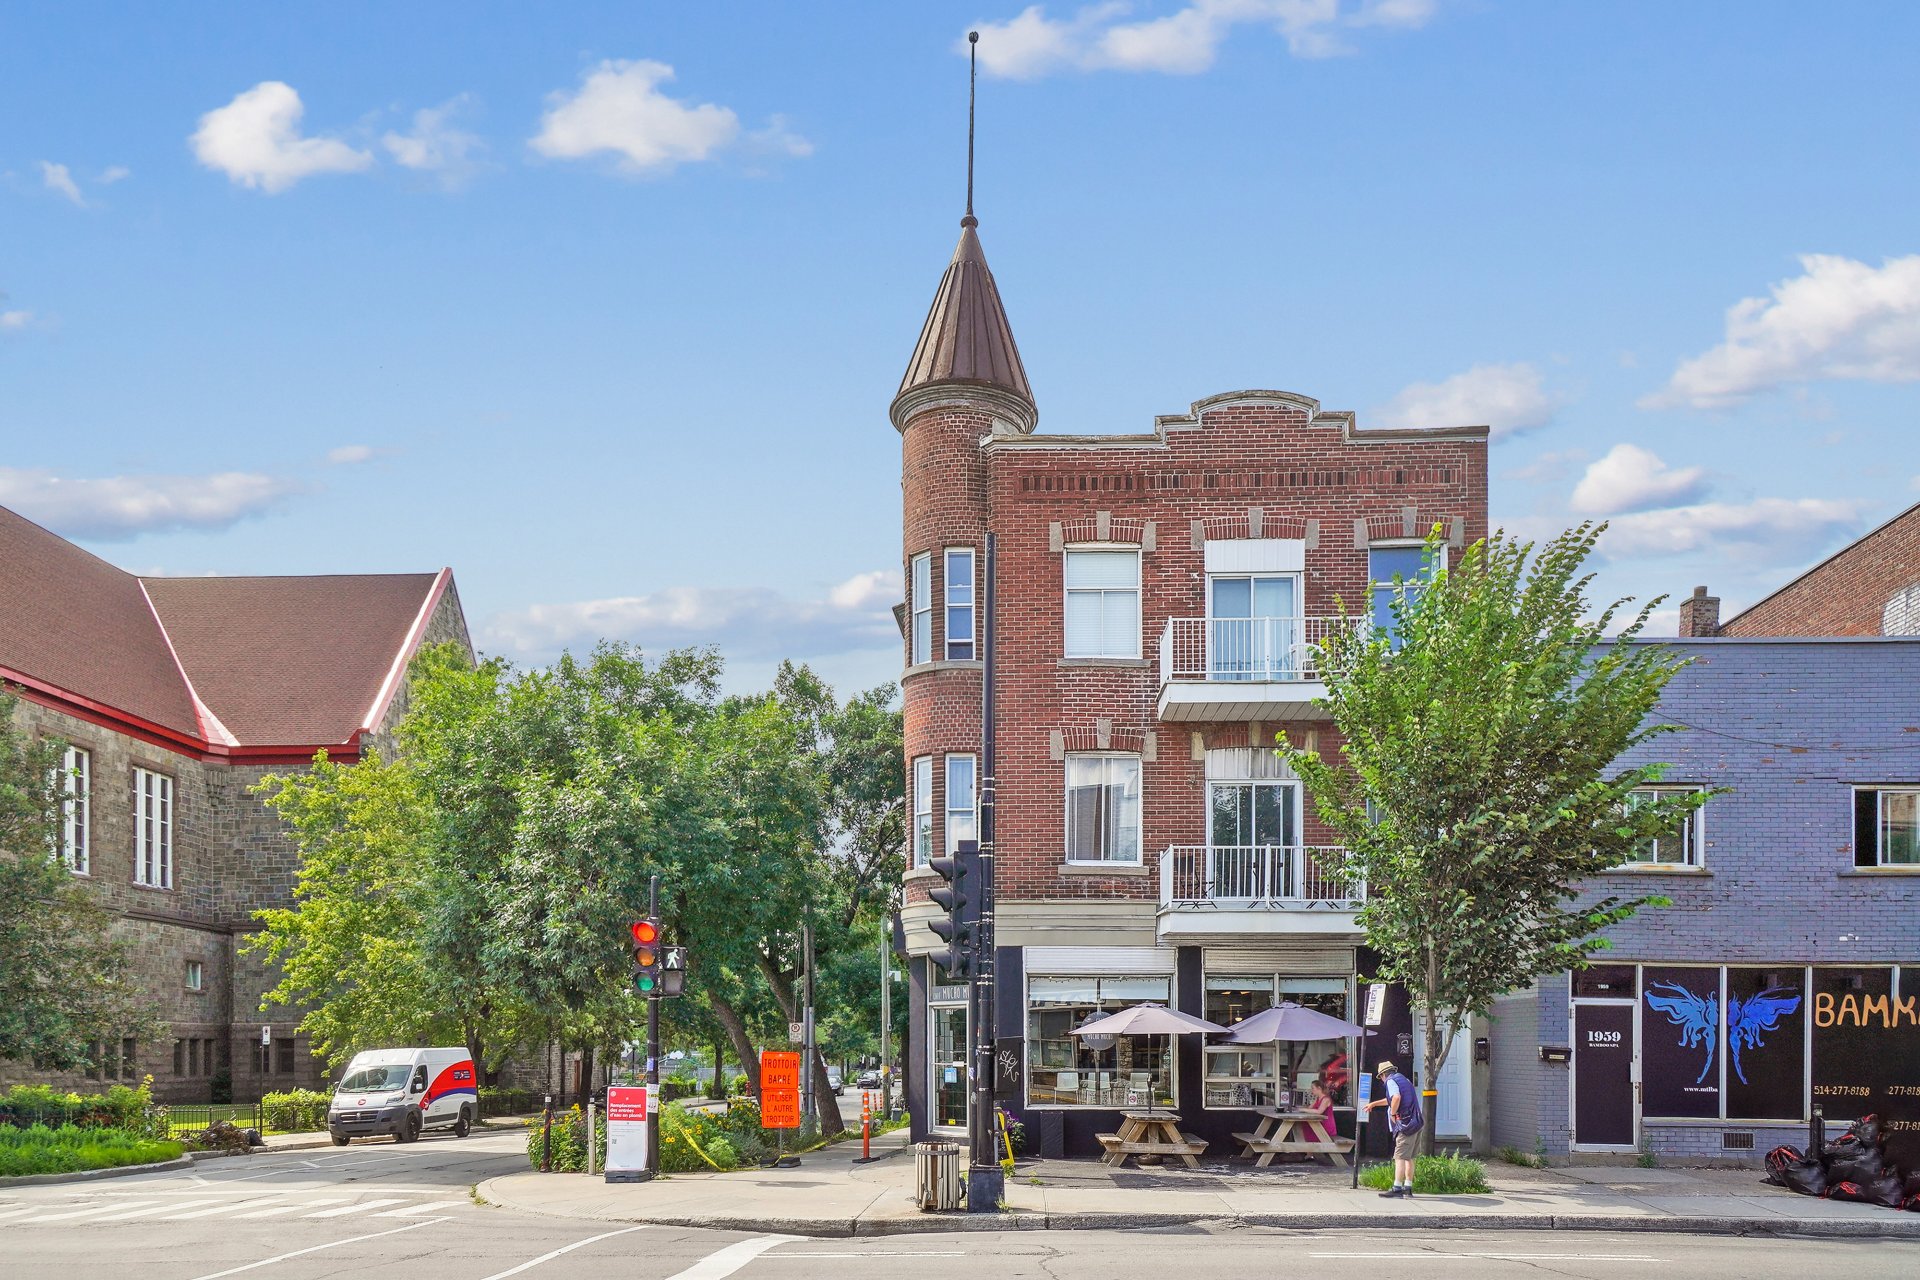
point(419, 1085)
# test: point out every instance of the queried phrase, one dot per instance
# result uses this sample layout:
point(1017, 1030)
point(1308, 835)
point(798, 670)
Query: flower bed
point(69, 1149)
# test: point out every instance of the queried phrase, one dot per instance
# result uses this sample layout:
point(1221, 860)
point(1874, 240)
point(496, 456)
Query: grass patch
point(1513, 1155)
point(70, 1150)
point(1434, 1176)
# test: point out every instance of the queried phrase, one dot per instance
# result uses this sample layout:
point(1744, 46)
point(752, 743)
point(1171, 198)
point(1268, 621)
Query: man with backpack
point(1404, 1122)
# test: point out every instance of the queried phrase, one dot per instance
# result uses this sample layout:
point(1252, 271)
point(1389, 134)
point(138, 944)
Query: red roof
point(226, 662)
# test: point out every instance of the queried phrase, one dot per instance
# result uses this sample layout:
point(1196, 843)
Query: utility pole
point(886, 1023)
point(807, 1099)
point(986, 1181)
point(653, 1044)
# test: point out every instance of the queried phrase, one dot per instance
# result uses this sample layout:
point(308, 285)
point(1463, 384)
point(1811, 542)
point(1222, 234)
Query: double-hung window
point(1677, 848)
point(1103, 808)
point(1886, 826)
point(920, 606)
point(959, 586)
point(75, 786)
point(152, 829)
point(1103, 604)
point(961, 804)
point(922, 810)
point(1394, 573)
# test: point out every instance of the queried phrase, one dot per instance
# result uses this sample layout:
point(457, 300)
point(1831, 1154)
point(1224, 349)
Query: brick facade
point(1848, 593)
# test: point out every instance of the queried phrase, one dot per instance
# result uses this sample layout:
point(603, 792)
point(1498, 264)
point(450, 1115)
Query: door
point(1453, 1091)
point(1249, 840)
point(949, 1066)
point(1254, 631)
point(1605, 1110)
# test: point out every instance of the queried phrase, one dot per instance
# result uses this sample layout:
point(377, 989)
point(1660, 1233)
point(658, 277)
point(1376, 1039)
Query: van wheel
point(464, 1125)
point(341, 1139)
point(409, 1130)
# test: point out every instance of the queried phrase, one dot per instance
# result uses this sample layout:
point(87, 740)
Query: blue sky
point(603, 304)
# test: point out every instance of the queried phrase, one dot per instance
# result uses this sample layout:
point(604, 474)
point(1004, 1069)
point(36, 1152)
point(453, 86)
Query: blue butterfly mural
point(1698, 1018)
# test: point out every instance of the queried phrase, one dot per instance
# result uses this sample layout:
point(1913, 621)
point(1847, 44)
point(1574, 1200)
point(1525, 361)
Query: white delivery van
point(404, 1092)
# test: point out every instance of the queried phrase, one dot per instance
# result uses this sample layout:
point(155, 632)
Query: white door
point(1452, 1110)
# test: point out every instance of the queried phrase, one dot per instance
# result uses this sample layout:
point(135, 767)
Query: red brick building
point(1159, 595)
point(1868, 588)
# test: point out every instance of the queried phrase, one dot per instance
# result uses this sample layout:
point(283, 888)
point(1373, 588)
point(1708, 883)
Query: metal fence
point(188, 1119)
point(1256, 650)
point(1195, 875)
point(510, 1102)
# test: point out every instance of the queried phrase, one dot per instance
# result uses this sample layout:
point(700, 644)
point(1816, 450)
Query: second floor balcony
point(1261, 888)
point(1243, 668)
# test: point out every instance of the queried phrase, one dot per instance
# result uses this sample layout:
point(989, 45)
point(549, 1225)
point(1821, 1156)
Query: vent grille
point(1736, 1142)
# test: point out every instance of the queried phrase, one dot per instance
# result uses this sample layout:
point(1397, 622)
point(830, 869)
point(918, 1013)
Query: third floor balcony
point(1243, 668)
point(1263, 888)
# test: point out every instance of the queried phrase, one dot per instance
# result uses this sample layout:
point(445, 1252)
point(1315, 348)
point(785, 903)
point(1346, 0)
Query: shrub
point(221, 1087)
point(295, 1111)
point(569, 1141)
point(688, 1138)
point(69, 1149)
point(1449, 1175)
point(121, 1107)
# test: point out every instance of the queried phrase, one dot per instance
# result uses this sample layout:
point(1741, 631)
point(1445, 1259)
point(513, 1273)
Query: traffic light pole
point(986, 1181)
point(653, 1047)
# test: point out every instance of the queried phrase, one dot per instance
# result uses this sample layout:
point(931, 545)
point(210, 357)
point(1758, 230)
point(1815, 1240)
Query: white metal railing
point(1245, 649)
point(1196, 875)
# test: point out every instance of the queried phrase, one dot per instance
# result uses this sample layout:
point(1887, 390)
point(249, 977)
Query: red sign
point(779, 1089)
point(626, 1105)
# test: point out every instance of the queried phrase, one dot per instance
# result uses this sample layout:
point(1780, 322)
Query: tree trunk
point(1435, 1056)
point(718, 1089)
point(742, 1042)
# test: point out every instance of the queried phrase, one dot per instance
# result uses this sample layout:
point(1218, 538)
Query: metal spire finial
point(973, 43)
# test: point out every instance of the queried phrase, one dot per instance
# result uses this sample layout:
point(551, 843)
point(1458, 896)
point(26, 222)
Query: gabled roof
point(217, 664)
point(966, 340)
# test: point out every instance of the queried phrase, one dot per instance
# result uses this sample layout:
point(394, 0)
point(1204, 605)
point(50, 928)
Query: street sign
point(266, 1035)
point(626, 1131)
point(1366, 1089)
point(779, 1089)
point(796, 1032)
point(1376, 1004)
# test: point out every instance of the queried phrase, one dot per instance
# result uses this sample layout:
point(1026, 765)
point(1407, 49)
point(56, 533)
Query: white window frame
point(920, 609)
point(1880, 793)
point(971, 809)
point(1692, 835)
point(1066, 810)
point(195, 978)
point(1067, 593)
point(953, 639)
point(922, 836)
point(152, 828)
point(76, 810)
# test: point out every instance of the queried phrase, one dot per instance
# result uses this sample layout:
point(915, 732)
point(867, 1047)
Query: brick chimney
point(1699, 614)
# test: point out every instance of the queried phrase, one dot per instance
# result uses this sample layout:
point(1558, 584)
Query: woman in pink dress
point(1321, 1102)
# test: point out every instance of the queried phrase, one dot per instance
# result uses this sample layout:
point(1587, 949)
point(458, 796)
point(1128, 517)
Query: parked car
point(834, 1082)
point(868, 1080)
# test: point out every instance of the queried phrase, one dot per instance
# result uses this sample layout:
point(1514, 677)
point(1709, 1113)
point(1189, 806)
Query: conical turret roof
point(966, 340)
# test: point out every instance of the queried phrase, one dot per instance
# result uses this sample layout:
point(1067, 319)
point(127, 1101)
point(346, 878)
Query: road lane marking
point(227, 1207)
point(870, 1253)
point(151, 1210)
point(344, 1210)
point(292, 1207)
point(718, 1266)
point(1501, 1257)
point(431, 1206)
point(68, 1214)
point(316, 1248)
point(545, 1257)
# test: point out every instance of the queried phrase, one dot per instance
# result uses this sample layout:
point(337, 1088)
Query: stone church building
point(176, 696)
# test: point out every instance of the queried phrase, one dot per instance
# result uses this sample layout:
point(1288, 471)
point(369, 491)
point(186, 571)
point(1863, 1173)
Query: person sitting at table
point(1335, 1074)
point(1322, 1104)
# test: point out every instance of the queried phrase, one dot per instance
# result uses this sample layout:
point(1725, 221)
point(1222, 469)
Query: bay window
point(959, 587)
point(961, 804)
point(922, 810)
point(920, 609)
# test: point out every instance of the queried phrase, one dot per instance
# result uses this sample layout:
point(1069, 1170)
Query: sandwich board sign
point(626, 1132)
point(779, 1089)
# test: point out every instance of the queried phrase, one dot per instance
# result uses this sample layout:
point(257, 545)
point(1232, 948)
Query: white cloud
point(434, 144)
point(619, 110)
point(1630, 478)
point(746, 622)
point(15, 321)
point(779, 138)
point(1839, 319)
point(1508, 398)
point(113, 173)
point(59, 178)
point(1764, 529)
point(256, 141)
point(1184, 42)
point(124, 506)
point(348, 454)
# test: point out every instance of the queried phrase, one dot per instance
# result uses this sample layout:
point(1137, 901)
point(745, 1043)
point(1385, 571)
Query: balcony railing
point(1254, 650)
point(1281, 876)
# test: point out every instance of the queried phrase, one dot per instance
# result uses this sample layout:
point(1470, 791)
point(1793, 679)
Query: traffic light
point(646, 955)
point(956, 898)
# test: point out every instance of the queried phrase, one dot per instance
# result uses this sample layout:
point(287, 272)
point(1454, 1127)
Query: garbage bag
point(1779, 1160)
point(1806, 1177)
point(1884, 1190)
point(1847, 1191)
point(1863, 1165)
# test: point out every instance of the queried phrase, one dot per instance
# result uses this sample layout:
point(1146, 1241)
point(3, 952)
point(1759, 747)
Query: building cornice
point(1006, 407)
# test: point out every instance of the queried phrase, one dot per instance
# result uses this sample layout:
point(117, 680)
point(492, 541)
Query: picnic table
point(1276, 1135)
point(1150, 1133)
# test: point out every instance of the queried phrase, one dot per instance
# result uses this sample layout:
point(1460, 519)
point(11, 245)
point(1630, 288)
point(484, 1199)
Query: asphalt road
point(406, 1213)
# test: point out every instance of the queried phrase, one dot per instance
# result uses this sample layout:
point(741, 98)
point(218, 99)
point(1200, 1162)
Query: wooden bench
point(1268, 1148)
point(1118, 1148)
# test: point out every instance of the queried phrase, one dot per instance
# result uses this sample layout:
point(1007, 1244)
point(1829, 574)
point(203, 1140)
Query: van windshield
point(376, 1079)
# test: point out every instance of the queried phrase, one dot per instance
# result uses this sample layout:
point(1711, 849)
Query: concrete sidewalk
point(833, 1195)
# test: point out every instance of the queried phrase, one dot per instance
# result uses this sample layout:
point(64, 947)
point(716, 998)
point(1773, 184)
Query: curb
point(94, 1175)
point(1895, 1227)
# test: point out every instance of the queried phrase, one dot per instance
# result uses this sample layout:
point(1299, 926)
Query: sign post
point(1360, 1125)
point(780, 1098)
point(628, 1134)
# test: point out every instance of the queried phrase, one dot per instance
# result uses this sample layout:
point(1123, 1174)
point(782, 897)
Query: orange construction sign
point(779, 1089)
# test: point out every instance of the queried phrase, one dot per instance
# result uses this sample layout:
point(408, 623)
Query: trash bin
point(936, 1175)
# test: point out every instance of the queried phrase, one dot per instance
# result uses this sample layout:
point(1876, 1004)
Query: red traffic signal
point(646, 955)
point(645, 932)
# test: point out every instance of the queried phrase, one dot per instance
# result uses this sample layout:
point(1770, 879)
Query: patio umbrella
point(1294, 1025)
point(1146, 1020)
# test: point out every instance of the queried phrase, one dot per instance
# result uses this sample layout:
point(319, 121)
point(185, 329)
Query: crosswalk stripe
point(413, 1209)
point(152, 1210)
point(290, 1207)
point(362, 1207)
point(721, 1264)
point(8, 1211)
point(69, 1214)
point(228, 1207)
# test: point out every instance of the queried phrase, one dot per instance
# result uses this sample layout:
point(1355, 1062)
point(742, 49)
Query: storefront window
point(1766, 1044)
point(1064, 1070)
point(949, 1067)
point(1275, 1075)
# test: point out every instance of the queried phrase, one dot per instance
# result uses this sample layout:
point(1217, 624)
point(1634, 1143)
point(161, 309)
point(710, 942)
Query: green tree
point(1478, 787)
point(65, 980)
